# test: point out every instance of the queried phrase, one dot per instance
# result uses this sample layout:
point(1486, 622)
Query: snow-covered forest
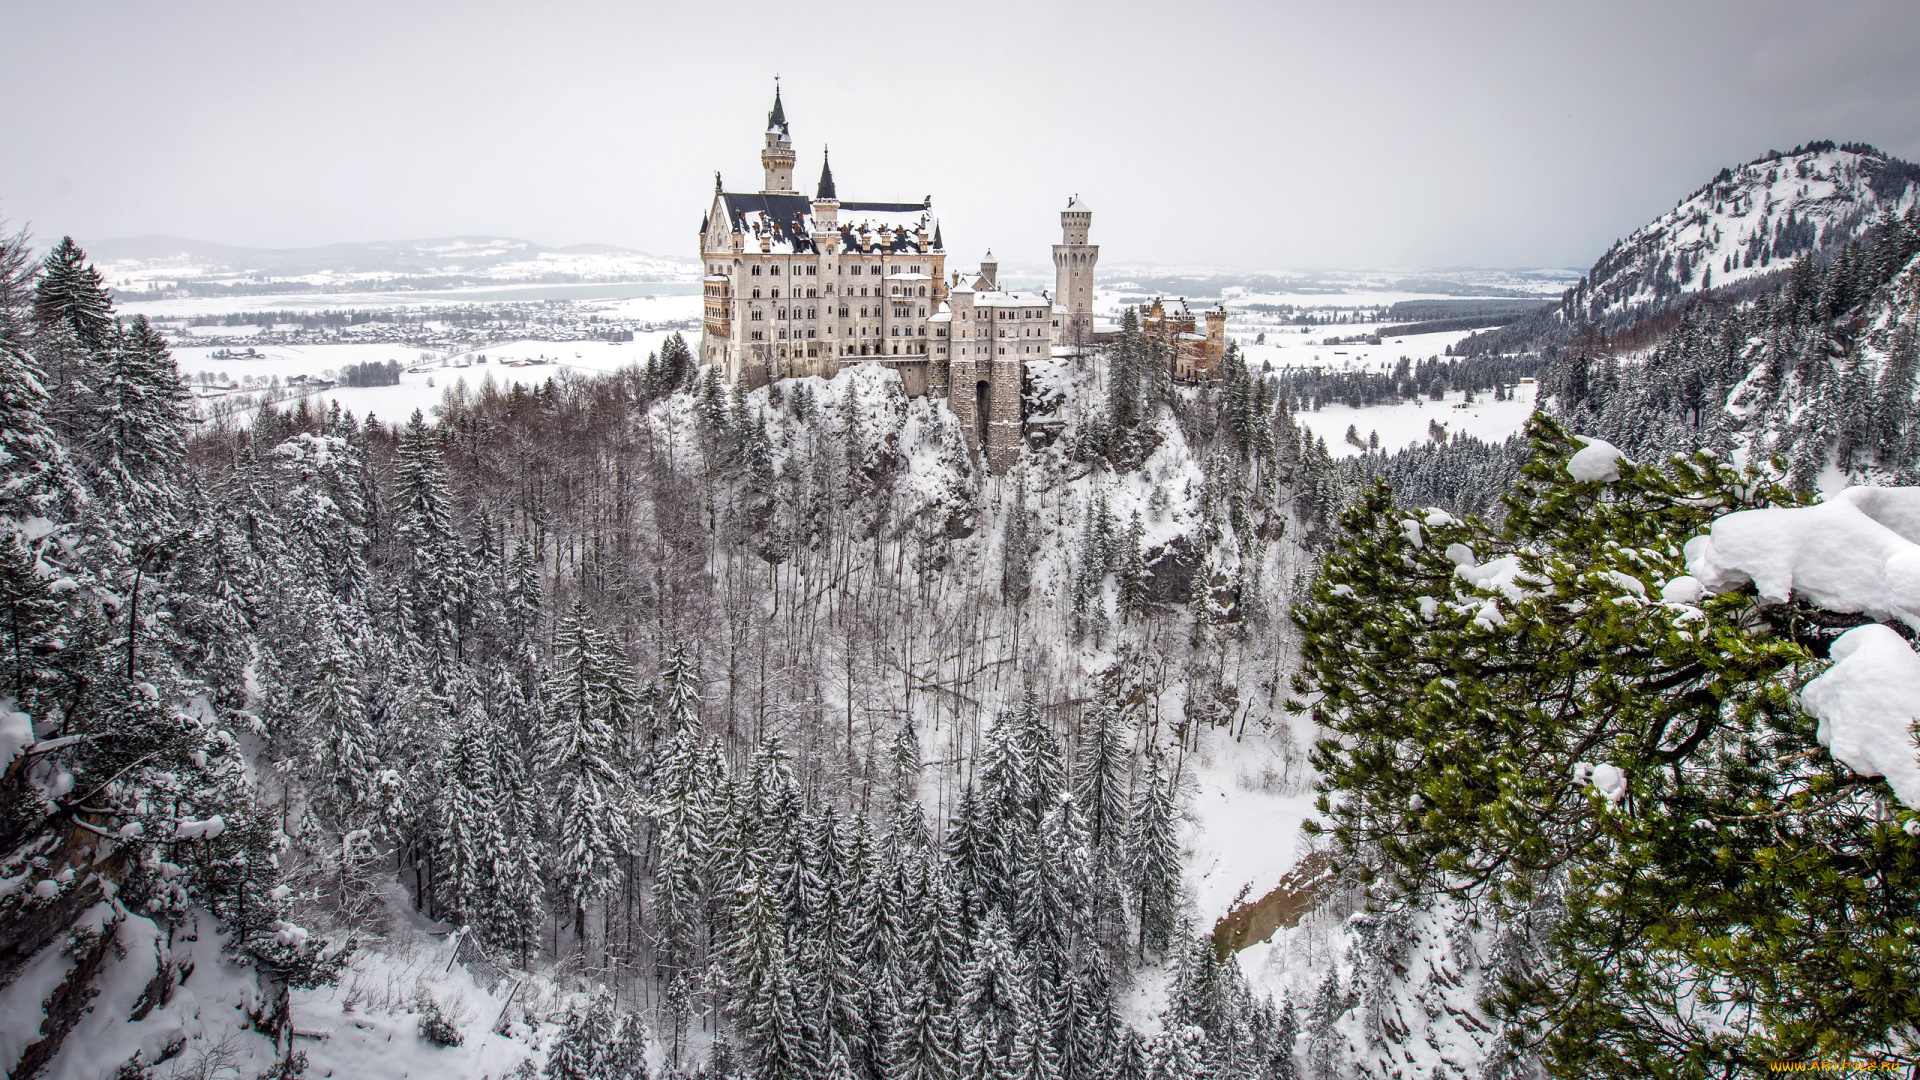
point(630, 725)
point(766, 732)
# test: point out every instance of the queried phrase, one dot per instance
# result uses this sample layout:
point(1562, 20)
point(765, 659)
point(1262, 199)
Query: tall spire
point(826, 176)
point(778, 117)
point(937, 244)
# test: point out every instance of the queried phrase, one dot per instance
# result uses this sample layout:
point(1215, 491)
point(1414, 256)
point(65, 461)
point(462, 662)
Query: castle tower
point(1073, 262)
point(826, 208)
point(989, 273)
point(777, 156)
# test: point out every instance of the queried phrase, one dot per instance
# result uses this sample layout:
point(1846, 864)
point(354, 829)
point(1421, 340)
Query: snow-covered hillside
point(1746, 222)
point(1740, 229)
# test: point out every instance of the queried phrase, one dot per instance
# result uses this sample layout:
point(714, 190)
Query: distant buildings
point(1194, 355)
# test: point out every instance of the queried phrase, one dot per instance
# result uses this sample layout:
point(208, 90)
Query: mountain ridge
point(1731, 236)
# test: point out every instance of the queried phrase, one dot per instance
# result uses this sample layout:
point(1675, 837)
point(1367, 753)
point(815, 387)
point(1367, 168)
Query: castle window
point(896, 331)
point(923, 331)
point(916, 269)
point(876, 268)
point(810, 313)
point(843, 313)
point(783, 335)
point(813, 271)
point(782, 314)
point(856, 269)
point(809, 333)
point(923, 311)
point(813, 292)
point(773, 270)
point(775, 294)
point(758, 335)
point(923, 290)
point(756, 271)
point(756, 313)
point(756, 293)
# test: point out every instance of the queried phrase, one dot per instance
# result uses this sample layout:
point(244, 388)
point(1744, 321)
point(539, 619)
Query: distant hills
point(149, 265)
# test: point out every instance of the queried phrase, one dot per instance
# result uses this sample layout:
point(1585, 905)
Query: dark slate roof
point(778, 117)
point(790, 216)
point(826, 178)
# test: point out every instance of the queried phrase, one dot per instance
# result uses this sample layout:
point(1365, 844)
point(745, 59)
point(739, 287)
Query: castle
point(796, 286)
point(1192, 355)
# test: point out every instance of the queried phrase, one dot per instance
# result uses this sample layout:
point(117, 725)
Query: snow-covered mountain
point(1748, 222)
point(1733, 233)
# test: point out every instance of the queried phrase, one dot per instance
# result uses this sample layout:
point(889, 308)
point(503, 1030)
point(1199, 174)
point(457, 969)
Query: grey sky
point(1334, 133)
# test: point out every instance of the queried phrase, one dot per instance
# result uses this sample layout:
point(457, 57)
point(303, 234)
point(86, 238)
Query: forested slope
point(752, 734)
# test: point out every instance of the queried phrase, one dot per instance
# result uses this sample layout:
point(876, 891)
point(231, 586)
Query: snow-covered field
point(1288, 348)
point(417, 389)
point(1398, 425)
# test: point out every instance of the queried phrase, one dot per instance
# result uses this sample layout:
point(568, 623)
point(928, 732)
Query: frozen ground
point(418, 389)
point(1289, 347)
point(1398, 425)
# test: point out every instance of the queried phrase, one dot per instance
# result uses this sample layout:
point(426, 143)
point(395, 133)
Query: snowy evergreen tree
point(587, 698)
point(1154, 856)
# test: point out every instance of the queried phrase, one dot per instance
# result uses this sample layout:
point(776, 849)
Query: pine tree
point(35, 478)
point(344, 758)
point(472, 841)
point(682, 810)
point(72, 297)
point(1154, 855)
point(514, 920)
point(582, 1049)
point(1680, 710)
point(135, 424)
point(923, 1043)
point(1099, 779)
point(423, 524)
point(583, 752)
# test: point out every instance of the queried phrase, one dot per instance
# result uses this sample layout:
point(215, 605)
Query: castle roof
point(1009, 298)
point(788, 216)
point(777, 119)
point(826, 178)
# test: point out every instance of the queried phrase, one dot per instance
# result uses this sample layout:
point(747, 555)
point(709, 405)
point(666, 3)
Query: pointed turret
point(937, 244)
point(776, 158)
point(777, 119)
point(826, 175)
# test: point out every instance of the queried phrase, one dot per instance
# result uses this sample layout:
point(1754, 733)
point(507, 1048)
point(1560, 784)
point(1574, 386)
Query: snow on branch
point(1858, 552)
point(1866, 703)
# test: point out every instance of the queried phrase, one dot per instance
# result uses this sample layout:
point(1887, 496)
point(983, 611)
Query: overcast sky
point(1334, 133)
